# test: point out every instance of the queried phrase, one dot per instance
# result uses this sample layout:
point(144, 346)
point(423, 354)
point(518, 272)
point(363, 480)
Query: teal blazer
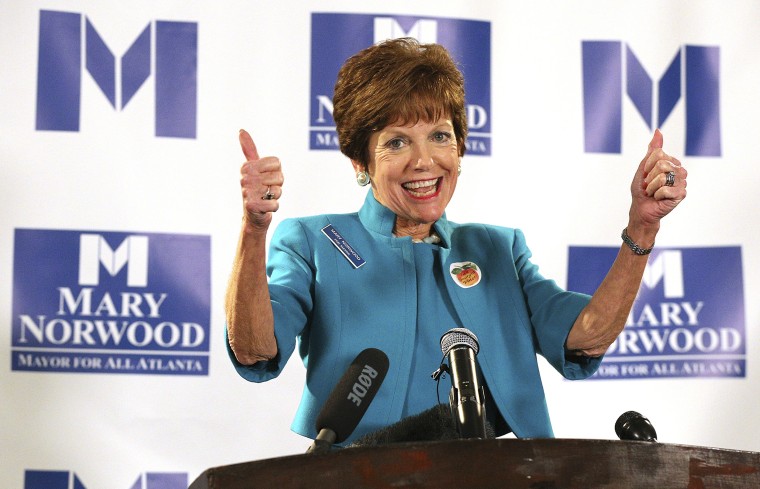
point(336, 310)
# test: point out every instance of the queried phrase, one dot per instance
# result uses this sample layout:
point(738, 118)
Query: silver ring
point(670, 179)
point(268, 195)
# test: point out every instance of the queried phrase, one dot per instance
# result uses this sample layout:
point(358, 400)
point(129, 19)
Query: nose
point(424, 157)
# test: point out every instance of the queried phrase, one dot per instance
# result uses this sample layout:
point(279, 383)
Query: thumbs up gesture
point(261, 182)
point(659, 184)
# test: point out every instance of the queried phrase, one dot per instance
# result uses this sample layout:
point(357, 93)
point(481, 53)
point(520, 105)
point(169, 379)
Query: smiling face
point(413, 170)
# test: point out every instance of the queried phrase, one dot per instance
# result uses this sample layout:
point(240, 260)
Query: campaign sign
point(63, 479)
point(688, 319)
point(70, 45)
point(111, 302)
point(611, 70)
point(336, 37)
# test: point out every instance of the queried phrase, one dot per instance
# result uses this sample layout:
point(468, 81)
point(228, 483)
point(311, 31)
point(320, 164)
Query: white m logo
point(668, 265)
point(425, 31)
point(94, 250)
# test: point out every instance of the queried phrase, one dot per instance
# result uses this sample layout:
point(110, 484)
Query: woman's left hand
point(654, 195)
point(658, 186)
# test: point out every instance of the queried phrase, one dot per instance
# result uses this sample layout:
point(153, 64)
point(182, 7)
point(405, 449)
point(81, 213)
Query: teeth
point(420, 184)
point(431, 186)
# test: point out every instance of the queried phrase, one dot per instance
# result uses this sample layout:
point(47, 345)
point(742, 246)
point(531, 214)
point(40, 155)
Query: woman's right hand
point(261, 182)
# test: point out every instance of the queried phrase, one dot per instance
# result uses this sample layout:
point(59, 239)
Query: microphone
point(433, 424)
point(350, 399)
point(467, 397)
point(633, 426)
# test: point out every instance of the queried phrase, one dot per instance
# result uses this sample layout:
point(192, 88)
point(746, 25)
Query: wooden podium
point(506, 463)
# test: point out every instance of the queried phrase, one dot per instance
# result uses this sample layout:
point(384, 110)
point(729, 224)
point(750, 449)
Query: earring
point(459, 169)
point(362, 178)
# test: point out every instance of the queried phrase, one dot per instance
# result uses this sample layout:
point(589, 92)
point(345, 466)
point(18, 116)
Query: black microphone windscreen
point(434, 424)
point(633, 426)
point(353, 394)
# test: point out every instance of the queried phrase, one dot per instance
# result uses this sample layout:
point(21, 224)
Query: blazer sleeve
point(553, 312)
point(291, 278)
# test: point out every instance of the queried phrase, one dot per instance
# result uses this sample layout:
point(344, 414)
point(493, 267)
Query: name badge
point(345, 249)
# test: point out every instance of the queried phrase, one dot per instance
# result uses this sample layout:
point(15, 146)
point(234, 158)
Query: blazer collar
point(378, 218)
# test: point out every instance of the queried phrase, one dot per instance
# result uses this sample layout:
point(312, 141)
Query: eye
point(442, 137)
point(395, 143)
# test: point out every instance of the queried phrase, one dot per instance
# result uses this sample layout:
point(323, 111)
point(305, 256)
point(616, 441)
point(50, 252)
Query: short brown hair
point(398, 80)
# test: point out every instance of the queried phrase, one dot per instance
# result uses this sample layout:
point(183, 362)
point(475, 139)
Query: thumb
point(656, 142)
point(248, 146)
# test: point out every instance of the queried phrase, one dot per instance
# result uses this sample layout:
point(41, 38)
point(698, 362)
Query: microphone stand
point(323, 442)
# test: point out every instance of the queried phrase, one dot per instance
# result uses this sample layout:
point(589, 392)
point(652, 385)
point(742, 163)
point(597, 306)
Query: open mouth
point(423, 189)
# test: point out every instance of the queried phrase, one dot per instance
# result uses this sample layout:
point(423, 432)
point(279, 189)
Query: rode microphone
point(350, 399)
point(633, 426)
point(467, 397)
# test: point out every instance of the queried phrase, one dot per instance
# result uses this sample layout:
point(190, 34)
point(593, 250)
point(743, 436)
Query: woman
point(399, 112)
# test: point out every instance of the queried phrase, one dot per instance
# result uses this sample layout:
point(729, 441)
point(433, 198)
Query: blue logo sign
point(336, 37)
point(60, 65)
point(59, 479)
point(107, 302)
point(694, 75)
point(688, 319)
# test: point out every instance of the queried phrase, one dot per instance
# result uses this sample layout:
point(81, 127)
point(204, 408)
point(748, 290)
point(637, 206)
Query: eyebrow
point(400, 128)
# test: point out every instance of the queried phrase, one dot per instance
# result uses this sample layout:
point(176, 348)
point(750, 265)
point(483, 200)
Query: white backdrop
point(253, 72)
